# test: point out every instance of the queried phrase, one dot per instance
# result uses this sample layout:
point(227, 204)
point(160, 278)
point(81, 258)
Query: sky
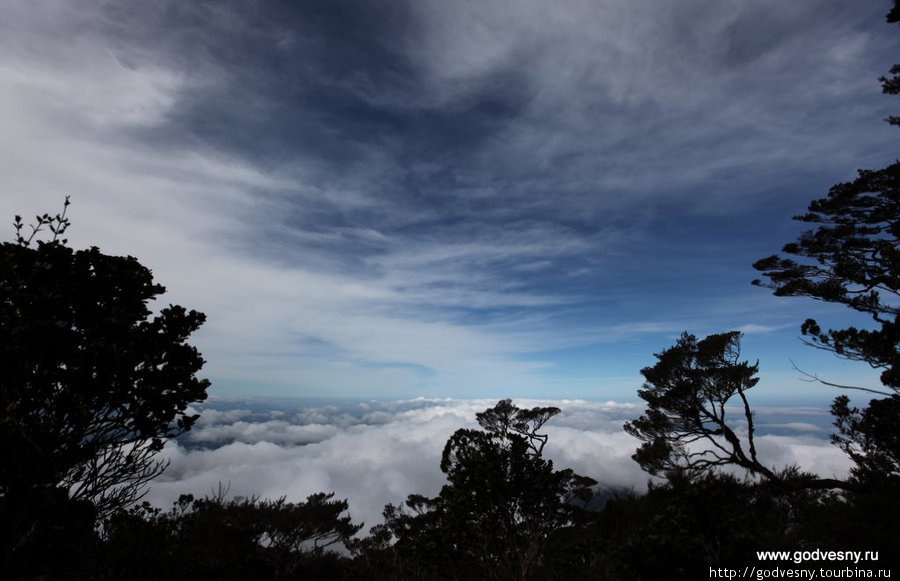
point(425, 198)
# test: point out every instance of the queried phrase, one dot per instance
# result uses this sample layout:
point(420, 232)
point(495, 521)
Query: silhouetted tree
point(681, 528)
point(869, 437)
point(243, 538)
point(501, 505)
point(853, 259)
point(685, 427)
point(701, 517)
point(92, 384)
point(894, 14)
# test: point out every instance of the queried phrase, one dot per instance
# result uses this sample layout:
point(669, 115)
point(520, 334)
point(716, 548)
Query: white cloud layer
point(380, 452)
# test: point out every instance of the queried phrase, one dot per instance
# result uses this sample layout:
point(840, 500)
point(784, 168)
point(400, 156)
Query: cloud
point(379, 452)
point(431, 197)
point(754, 328)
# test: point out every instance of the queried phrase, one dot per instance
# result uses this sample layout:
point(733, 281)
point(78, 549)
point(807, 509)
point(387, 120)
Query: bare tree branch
point(812, 377)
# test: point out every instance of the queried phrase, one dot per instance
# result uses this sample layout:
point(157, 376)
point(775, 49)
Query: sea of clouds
point(377, 452)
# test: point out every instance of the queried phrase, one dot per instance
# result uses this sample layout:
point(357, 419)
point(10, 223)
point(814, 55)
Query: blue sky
point(448, 198)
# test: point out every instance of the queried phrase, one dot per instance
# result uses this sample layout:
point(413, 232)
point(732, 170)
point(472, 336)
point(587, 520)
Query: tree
point(853, 259)
point(869, 437)
point(685, 427)
point(891, 86)
point(238, 538)
point(894, 14)
point(500, 507)
point(92, 384)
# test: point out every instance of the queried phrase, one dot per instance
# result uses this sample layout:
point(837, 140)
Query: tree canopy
point(92, 382)
point(852, 258)
point(227, 539)
point(500, 507)
point(686, 425)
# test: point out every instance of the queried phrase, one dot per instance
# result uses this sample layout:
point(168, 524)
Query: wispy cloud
point(455, 200)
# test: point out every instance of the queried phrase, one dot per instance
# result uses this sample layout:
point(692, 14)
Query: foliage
point(500, 507)
point(685, 427)
point(869, 437)
point(92, 384)
point(687, 430)
point(852, 259)
point(240, 538)
point(891, 85)
point(46, 522)
point(679, 529)
point(894, 14)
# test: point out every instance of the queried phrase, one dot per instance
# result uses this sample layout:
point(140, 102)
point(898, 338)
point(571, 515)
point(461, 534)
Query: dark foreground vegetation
point(92, 386)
